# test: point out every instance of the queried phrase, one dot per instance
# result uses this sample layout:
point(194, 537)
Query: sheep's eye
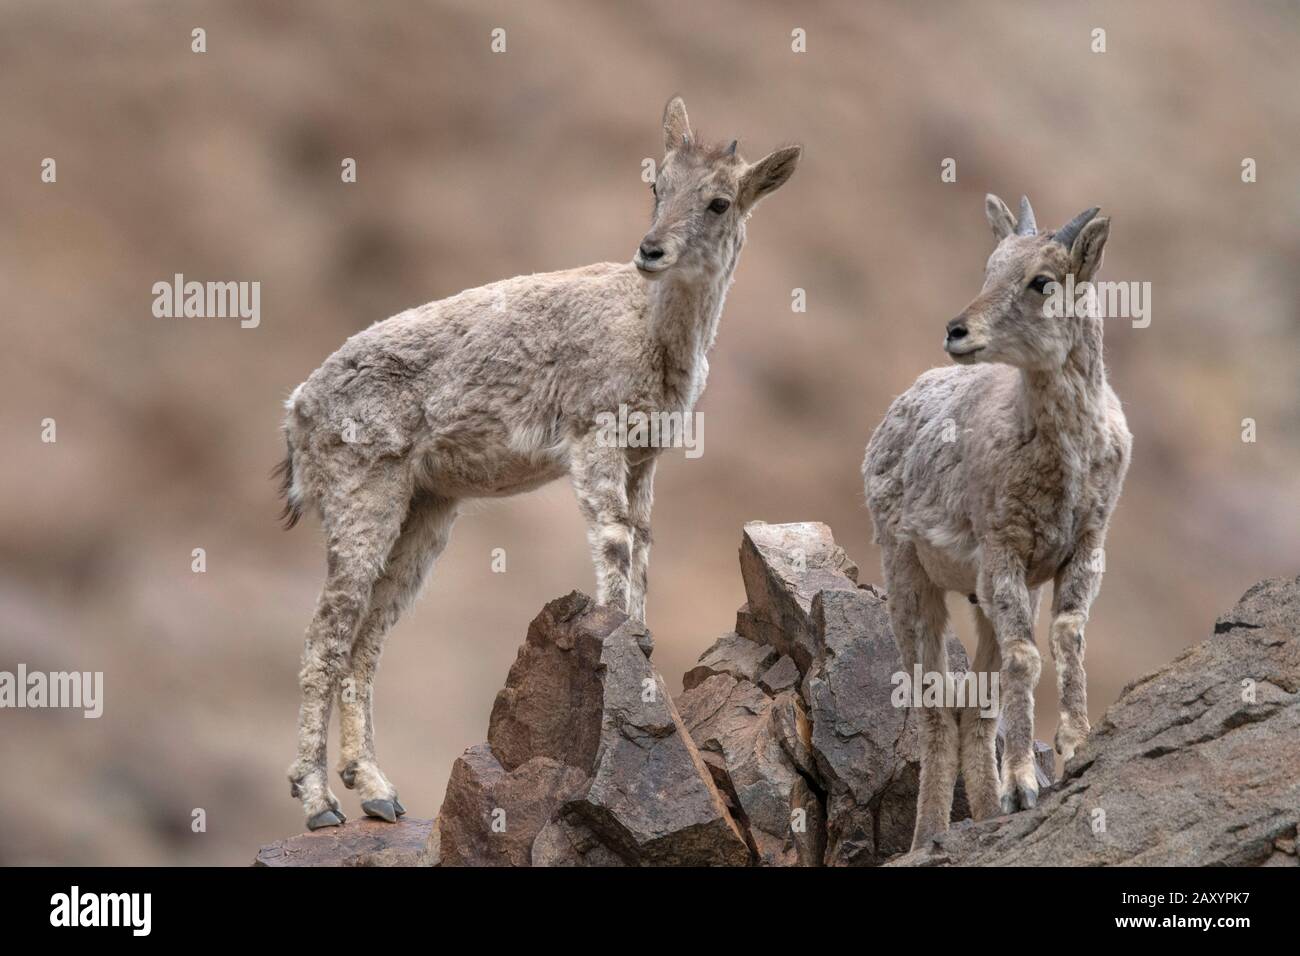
point(1039, 283)
point(719, 206)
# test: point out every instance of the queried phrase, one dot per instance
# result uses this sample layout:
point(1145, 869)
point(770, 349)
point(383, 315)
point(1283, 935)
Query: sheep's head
point(1008, 321)
point(702, 197)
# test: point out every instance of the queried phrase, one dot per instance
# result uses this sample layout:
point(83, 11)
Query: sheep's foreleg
point(1004, 596)
point(600, 481)
point(979, 761)
point(1077, 584)
point(640, 498)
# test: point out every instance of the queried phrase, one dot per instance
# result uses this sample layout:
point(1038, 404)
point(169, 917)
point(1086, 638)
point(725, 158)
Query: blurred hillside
point(474, 166)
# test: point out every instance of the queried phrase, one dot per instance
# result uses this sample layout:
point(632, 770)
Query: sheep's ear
point(1000, 218)
point(1089, 245)
point(677, 128)
point(768, 174)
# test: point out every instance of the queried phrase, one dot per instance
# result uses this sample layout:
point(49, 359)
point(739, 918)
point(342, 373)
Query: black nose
point(957, 329)
point(650, 252)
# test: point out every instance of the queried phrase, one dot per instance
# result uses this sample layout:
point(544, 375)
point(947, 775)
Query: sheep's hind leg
point(360, 531)
point(919, 618)
point(979, 760)
point(425, 534)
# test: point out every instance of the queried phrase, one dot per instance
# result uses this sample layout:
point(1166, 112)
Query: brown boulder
point(734, 655)
point(784, 566)
point(491, 816)
point(565, 843)
point(551, 704)
point(587, 753)
point(867, 749)
point(781, 676)
point(749, 738)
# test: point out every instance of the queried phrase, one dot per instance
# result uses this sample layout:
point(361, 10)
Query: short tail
point(292, 510)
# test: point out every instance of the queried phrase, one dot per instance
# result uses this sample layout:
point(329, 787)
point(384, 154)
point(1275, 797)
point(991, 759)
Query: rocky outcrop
point(757, 747)
point(491, 816)
point(733, 654)
point(1195, 765)
point(786, 747)
point(784, 566)
point(867, 749)
point(842, 791)
point(587, 760)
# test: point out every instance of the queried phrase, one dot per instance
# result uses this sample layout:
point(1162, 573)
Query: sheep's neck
point(685, 310)
point(1060, 406)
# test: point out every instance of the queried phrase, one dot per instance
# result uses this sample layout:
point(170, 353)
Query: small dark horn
point(731, 150)
point(1070, 231)
point(1025, 225)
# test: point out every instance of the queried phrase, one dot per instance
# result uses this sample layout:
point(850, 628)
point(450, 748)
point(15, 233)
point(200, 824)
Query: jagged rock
point(794, 730)
point(781, 676)
point(744, 623)
point(839, 729)
point(783, 567)
point(734, 655)
point(1194, 765)
point(363, 842)
point(1270, 604)
point(432, 855)
point(867, 749)
point(562, 843)
point(553, 700)
point(584, 736)
point(651, 798)
point(491, 816)
point(745, 733)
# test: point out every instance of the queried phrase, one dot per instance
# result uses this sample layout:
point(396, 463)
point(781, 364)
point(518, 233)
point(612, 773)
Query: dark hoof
point(401, 810)
point(349, 776)
point(382, 809)
point(293, 789)
point(326, 818)
point(1021, 798)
